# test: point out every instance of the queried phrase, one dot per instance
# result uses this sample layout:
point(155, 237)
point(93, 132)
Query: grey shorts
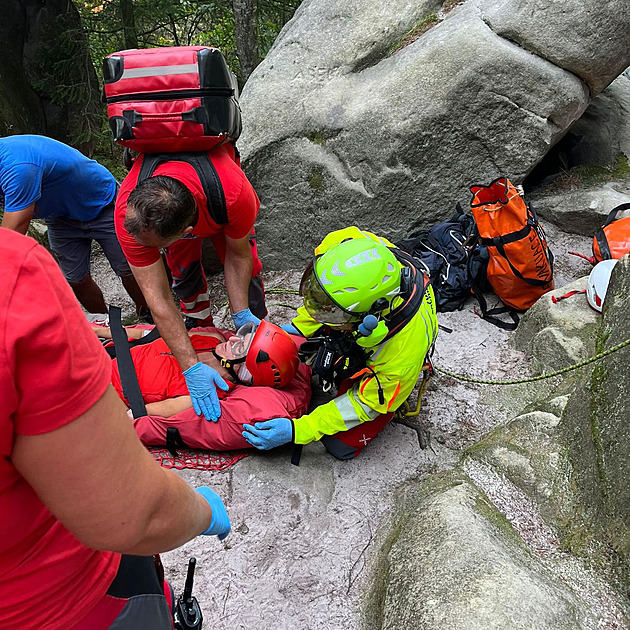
point(71, 242)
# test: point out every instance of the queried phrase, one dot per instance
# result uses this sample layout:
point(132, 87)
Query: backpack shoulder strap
point(602, 242)
point(208, 176)
point(417, 285)
point(477, 263)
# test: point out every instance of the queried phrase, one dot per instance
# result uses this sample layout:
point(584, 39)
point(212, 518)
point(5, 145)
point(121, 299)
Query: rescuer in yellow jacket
point(373, 314)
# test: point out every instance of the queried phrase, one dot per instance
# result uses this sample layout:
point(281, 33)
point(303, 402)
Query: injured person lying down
point(259, 363)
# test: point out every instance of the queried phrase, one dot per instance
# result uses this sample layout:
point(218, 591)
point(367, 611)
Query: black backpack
point(443, 253)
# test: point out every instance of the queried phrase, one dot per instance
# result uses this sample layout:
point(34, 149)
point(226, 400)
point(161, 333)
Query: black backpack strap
point(174, 440)
point(602, 241)
point(612, 215)
point(415, 290)
point(600, 235)
point(152, 336)
point(476, 271)
point(208, 176)
point(499, 241)
point(490, 315)
point(128, 376)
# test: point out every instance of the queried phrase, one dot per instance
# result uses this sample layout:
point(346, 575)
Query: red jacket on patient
point(160, 377)
point(159, 374)
point(241, 405)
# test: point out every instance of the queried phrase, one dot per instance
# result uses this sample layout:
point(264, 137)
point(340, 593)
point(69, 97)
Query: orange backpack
point(520, 265)
point(612, 240)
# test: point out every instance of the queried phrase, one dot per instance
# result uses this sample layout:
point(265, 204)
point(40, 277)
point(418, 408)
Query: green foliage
point(156, 23)
point(317, 137)
point(589, 175)
point(621, 168)
point(316, 180)
point(64, 80)
point(421, 27)
point(178, 23)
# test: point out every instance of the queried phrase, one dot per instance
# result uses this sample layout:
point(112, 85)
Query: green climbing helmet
point(351, 279)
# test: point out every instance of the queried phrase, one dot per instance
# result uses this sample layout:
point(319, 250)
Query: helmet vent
point(262, 357)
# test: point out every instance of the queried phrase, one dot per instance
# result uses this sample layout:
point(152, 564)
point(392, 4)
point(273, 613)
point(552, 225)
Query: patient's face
point(235, 347)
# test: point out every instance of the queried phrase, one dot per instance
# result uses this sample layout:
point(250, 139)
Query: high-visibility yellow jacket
point(396, 362)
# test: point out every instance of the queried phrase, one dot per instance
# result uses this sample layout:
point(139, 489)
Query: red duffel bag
point(182, 98)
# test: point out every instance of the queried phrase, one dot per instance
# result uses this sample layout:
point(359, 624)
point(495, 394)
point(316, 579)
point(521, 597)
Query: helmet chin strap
point(229, 364)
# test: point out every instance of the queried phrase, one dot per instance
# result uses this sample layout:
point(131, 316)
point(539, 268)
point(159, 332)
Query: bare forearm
point(238, 272)
point(153, 282)
point(173, 331)
point(16, 221)
point(169, 407)
point(178, 515)
point(125, 501)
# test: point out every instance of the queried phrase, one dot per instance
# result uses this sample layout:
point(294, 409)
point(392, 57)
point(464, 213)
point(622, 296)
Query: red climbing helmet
point(272, 357)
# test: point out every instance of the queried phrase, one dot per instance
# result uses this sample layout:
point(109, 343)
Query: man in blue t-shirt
point(46, 179)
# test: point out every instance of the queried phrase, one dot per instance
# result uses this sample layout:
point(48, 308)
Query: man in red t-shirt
point(74, 478)
point(169, 211)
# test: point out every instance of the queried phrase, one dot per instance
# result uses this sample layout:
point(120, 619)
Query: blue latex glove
point(244, 316)
point(202, 381)
point(291, 329)
point(269, 434)
point(220, 525)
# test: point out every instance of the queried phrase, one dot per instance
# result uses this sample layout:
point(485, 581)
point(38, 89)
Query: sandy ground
point(302, 536)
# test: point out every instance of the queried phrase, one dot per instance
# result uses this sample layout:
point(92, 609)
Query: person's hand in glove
point(291, 329)
point(269, 434)
point(202, 382)
point(220, 525)
point(244, 316)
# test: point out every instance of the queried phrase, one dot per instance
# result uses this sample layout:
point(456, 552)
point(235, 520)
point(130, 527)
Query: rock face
point(584, 210)
point(357, 116)
point(597, 426)
point(482, 580)
point(495, 542)
point(603, 131)
point(557, 335)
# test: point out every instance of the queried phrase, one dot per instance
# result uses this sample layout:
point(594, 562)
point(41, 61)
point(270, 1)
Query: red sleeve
point(137, 255)
point(61, 369)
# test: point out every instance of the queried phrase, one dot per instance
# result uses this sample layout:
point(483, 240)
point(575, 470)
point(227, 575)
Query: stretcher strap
point(128, 376)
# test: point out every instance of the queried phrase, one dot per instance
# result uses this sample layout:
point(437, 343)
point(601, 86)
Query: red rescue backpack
point(520, 263)
point(612, 240)
point(182, 98)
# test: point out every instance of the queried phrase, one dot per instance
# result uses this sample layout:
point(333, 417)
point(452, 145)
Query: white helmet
point(597, 283)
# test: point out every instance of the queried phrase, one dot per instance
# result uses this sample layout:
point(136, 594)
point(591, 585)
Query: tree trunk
point(246, 33)
point(128, 19)
point(20, 108)
point(49, 84)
